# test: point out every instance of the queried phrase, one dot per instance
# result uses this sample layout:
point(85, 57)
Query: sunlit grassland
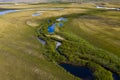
point(88, 35)
point(48, 5)
point(113, 4)
point(100, 29)
point(21, 53)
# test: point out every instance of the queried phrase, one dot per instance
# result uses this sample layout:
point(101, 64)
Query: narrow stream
point(41, 40)
point(8, 11)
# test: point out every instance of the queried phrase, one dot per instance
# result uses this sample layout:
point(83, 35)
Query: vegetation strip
point(75, 49)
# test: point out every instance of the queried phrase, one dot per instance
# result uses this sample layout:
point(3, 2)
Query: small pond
point(82, 72)
point(59, 23)
point(78, 71)
point(61, 19)
point(51, 28)
point(36, 14)
point(7, 11)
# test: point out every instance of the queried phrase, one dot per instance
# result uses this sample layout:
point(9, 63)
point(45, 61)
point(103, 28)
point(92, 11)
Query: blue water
point(51, 28)
point(61, 19)
point(81, 72)
point(36, 14)
point(7, 11)
point(116, 77)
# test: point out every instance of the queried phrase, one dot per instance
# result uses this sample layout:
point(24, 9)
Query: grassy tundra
point(24, 57)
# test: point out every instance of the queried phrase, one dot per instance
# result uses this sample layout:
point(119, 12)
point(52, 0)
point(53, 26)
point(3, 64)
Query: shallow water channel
point(41, 40)
point(8, 11)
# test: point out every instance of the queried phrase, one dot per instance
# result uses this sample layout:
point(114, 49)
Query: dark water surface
point(116, 77)
point(83, 72)
point(78, 71)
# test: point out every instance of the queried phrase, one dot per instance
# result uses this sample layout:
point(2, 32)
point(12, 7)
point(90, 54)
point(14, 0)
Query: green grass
point(23, 57)
point(100, 31)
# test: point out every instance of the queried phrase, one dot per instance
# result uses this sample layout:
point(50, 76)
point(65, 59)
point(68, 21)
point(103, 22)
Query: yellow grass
point(21, 54)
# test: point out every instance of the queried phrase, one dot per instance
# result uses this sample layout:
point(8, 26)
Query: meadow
point(91, 38)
